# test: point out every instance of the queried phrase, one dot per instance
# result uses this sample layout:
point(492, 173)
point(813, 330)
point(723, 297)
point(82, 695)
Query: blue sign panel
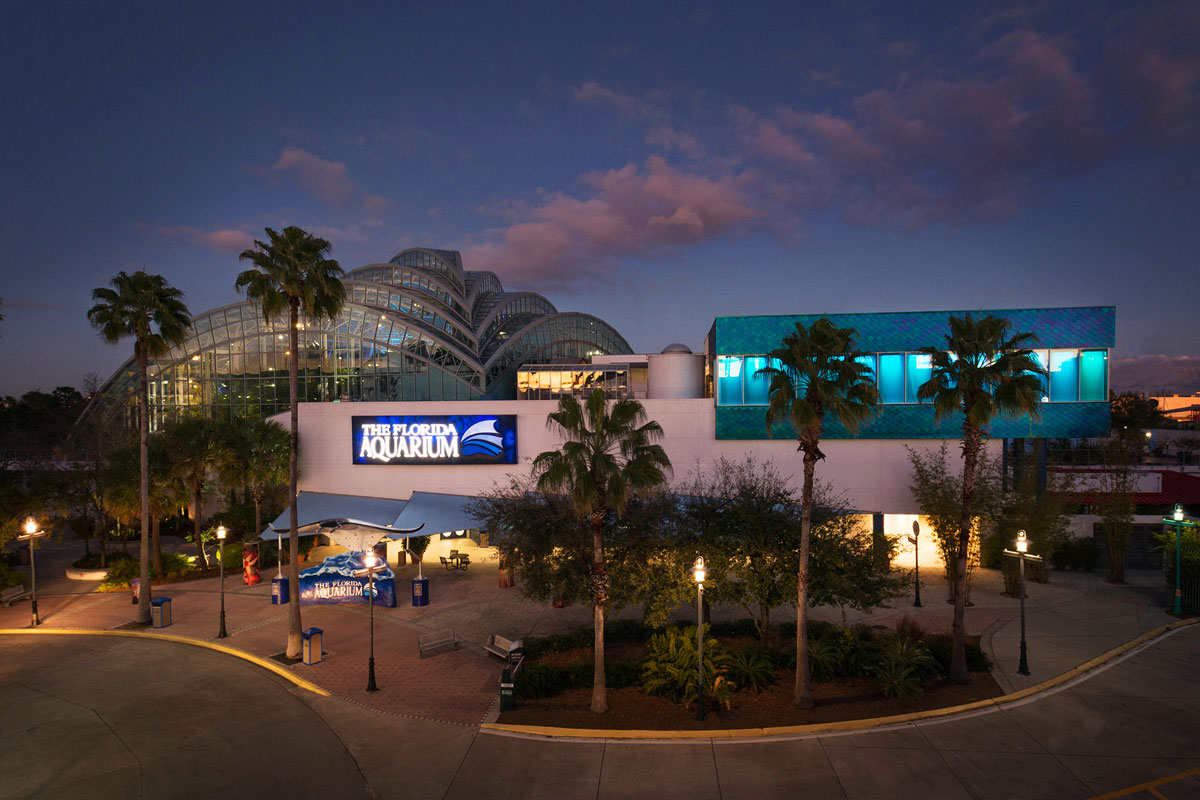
point(432, 440)
point(334, 581)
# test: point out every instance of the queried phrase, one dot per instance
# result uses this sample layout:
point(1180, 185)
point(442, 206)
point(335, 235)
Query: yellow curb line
point(845, 725)
point(220, 648)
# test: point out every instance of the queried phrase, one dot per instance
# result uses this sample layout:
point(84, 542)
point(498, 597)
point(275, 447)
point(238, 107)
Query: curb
point(845, 725)
point(219, 648)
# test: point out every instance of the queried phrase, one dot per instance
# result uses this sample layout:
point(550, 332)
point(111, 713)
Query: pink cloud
point(592, 93)
point(377, 205)
point(628, 212)
point(326, 179)
point(222, 240)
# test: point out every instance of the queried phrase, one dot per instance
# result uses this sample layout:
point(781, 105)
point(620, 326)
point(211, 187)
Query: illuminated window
point(1093, 376)
point(891, 378)
point(919, 370)
point(1064, 375)
point(729, 380)
point(757, 386)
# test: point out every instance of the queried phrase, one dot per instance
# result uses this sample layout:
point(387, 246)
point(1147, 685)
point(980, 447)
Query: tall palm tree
point(609, 452)
point(198, 450)
point(260, 460)
point(150, 310)
point(292, 272)
point(984, 371)
point(819, 372)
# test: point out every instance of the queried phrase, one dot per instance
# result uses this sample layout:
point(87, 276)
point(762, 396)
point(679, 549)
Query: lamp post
point(221, 533)
point(1179, 520)
point(916, 562)
point(699, 573)
point(371, 565)
point(31, 533)
point(1022, 555)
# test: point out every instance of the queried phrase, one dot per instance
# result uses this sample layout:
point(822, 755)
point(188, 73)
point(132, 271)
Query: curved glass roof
point(416, 328)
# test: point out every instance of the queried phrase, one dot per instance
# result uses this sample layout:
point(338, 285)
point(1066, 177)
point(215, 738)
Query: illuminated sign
point(427, 440)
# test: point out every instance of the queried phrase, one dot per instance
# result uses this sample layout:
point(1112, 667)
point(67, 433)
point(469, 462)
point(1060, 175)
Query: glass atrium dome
point(419, 327)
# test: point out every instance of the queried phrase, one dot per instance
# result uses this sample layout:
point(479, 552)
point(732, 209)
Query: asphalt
point(88, 715)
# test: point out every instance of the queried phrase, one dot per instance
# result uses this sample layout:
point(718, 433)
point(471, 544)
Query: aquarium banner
point(431, 440)
point(334, 581)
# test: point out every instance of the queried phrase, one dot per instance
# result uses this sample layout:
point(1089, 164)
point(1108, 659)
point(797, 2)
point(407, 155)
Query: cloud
point(326, 179)
point(629, 211)
point(667, 137)
point(221, 240)
point(593, 94)
point(377, 205)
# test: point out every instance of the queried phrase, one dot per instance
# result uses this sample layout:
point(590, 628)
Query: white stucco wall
point(873, 473)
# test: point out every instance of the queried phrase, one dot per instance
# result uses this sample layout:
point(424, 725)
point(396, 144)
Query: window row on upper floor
point(1071, 376)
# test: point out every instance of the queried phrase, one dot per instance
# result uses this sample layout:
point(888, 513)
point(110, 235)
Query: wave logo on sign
point(482, 438)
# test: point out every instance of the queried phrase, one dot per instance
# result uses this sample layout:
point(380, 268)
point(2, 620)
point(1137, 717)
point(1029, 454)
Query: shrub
point(558, 642)
point(735, 629)
point(93, 561)
point(824, 660)
point(782, 659)
point(855, 655)
point(540, 680)
point(1074, 554)
point(751, 668)
point(8, 577)
point(120, 573)
point(912, 653)
point(626, 630)
point(896, 678)
point(942, 650)
point(174, 565)
point(620, 674)
point(671, 667)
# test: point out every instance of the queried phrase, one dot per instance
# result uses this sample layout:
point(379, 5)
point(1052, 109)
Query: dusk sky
point(656, 165)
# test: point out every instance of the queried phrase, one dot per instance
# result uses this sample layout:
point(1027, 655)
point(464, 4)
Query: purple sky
point(654, 167)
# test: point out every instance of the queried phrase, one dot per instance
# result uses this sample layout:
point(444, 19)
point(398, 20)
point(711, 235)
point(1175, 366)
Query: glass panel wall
point(1064, 376)
point(919, 369)
point(729, 380)
point(1093, 376)
point(891, 378)
point(757, 386)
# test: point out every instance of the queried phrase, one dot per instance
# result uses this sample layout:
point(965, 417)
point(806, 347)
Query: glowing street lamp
point(371, 565)
point(221, 534)
point(1179, 520)
point(699, 573)
point(31, 533)
point(1022, 555)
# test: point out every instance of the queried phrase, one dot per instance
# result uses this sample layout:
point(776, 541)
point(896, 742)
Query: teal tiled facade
point(1082, 328)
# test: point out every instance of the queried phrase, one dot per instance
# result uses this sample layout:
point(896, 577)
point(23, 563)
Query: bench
point(13, 594)
point(508, 649)
point(455, 562)
point(437, 642)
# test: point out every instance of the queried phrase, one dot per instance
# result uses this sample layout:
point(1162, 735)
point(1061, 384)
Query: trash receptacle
point(507, 698)
point(160, 612)
point(311, 647)
point(279, 591)
point(420, 591)
point(135, 586)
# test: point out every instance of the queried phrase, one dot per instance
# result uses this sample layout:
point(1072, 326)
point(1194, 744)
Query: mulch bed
point(836, 700)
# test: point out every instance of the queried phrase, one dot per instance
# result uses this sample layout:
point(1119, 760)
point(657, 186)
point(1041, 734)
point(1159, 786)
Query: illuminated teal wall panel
point(1059, 420)
point(1094, 326)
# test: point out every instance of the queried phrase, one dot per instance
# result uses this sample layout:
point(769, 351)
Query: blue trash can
point(420, 591)
point(160, 612)
point(311, 645)
point(279, 591)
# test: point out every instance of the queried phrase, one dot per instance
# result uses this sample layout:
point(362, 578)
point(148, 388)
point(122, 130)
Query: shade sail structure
point(312, 507)
point(440, 513)
point(433, 513)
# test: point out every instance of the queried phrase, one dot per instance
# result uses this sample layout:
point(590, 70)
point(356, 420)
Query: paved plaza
point(97, 716)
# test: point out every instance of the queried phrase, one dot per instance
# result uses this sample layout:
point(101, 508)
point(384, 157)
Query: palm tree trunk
point(293, 640)
point(803, 690)
point(257, 511)
point(143, 612)
point(102, 535)
point(972, 439)
point(197, 497)
point(599, 592)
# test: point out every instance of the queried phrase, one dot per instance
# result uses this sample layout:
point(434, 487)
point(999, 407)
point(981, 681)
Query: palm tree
point(819, 372)
point(292, 272)
point(260, 460)
point(608, 454)
point(150, 310)
point(984, 371)
point(197, 449)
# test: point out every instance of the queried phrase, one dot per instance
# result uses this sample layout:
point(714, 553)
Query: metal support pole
point(33, 584)
point(371, 687)
point(700, 648)
point(917, 563)
point(221, 557)
point(1023, 668)
point(1178, 566)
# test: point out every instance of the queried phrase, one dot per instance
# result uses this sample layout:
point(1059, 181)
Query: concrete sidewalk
point(1070, 620)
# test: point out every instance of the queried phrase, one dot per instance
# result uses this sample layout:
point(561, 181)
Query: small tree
point(198, 451)
point(1115, 504)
